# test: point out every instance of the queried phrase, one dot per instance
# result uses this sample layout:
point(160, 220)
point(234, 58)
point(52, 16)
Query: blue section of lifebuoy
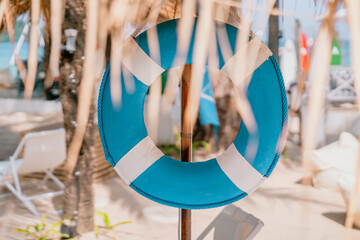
point(207, 109)
point(124, 124)
point(187, 185)
point(192, 185)
point(264, 96)
point(167, 34)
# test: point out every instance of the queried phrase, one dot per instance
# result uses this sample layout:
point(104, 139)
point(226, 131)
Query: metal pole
point(186, 147)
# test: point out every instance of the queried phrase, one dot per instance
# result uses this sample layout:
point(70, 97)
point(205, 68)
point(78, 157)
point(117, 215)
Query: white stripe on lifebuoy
point(256, 53)
point(239, 171)
point(135, 59)
point(256, 186)
point(137, 160)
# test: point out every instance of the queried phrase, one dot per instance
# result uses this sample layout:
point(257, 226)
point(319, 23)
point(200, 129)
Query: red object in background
point(304, 54)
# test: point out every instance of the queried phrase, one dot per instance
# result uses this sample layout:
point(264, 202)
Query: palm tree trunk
point(78, 203)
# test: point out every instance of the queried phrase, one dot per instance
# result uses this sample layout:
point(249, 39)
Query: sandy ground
point(288, 209)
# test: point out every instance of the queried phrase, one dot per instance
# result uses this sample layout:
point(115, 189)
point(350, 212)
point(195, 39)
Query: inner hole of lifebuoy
point(217, 122)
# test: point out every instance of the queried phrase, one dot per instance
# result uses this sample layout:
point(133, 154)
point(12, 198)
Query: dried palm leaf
point(185, 29)
point(117, 21)
point(33, 49)
point(2, 16)
point(322, 49)
point(57, 14)
point(353, 17)
point(154, 97)
point(204, 29)
point(86, 87)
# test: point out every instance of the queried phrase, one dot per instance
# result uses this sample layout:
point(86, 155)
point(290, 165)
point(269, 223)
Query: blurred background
point(53, 55)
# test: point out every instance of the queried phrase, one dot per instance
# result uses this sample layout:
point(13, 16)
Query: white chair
point(341, 85)
point(43, 152)
point(232, 223)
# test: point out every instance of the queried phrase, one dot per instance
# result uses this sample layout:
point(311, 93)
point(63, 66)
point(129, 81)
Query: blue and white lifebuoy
point(212, 183)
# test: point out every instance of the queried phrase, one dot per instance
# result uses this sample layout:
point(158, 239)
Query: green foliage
point(204, 144)
point(107, 225)
point(170, 149)
point(284, 153)
point(41, 231)
point(174, 149)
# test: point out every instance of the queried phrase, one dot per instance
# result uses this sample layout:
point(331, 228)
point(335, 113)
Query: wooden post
point(186, 147)
point(298, 42)
point(274, 33)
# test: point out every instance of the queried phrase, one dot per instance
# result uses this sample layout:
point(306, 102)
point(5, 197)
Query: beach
point(288, 209)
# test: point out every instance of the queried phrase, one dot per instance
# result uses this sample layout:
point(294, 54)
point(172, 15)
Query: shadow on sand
point(338, 217)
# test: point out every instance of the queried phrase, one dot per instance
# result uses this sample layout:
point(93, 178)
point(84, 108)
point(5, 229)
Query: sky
point(304, 10)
